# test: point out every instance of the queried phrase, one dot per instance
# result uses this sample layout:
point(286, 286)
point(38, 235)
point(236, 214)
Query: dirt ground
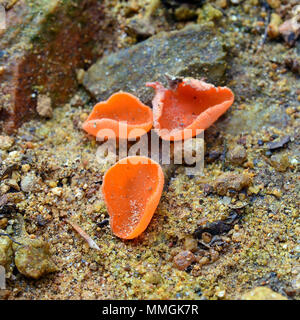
point(49, 174)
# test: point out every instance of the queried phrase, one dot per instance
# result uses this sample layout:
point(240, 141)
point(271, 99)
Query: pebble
point(6, 252)
point(203, 261)
point(214, 255)
point(6, 142)
point(33, 259)
point(183, 259)
point(272, 29)
point(3, 223)
point(237, 236)
point(237, 155)
point(28, 183)
point(13, 184)
point(274, 4)
point(206, 237)
point(25, 168)
point(57, 191)
point(280, 162)
point(93, 266)
point(44, 108)
point(220, 293)
point(153, 277)
point(231, 181)
point(190, 244)
point(221, 3)
point(80, 75)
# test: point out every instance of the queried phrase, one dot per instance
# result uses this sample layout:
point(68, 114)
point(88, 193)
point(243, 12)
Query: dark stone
point(218, 227)
point(195, 51)
point(103, 223)
point(278, 144)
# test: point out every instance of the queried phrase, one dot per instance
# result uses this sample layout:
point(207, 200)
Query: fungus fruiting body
point(188, 107)
point(122, 116)
point(132, 189)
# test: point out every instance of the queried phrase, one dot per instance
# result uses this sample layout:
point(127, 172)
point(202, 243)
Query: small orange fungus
point(122, 115)
point(189, 105)
point(132, 189)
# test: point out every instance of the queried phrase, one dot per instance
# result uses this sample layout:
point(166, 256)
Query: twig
point(84, 235)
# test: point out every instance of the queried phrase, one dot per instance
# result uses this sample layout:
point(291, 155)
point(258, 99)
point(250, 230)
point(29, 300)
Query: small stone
point(6, 252)
point(153, 277)
point(275, 192)
point(80, 75)
point(52, 184)
point(12, 183)
point(208, 13)
point(231, 181)
point(140, 27)
point(44, 108)
point(237, 236)
point(99, 206)
point(33, 258)
point(25, 168)
point(290, 30)
point(214, 255)
point(273, 26)
point(190, 244)
point(280, 162)
point(184, 13)
point(94, 266)
point(6, 142)
point(57, 191)
point(221, 4)
point(3, 223)
point(184, 259)
point(206, 237)
point(220, 293)
point(203, 261)
point(262, 293)
point(274, 4)
point(83, 116)
point(237, 155)
point(28, 183)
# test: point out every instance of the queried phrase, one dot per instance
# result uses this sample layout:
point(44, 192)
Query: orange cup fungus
point(122, 116)
point(189, 105)
point(132, 189)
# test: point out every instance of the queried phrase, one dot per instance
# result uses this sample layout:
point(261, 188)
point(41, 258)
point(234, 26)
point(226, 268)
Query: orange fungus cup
point(188, 107)
point(122, 116)
point(132, 189)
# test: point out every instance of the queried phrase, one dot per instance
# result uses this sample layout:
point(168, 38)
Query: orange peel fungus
point(188, 106)
point(132, 189)
point(122, 115)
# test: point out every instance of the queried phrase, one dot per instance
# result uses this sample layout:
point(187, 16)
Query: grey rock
point(195, 51)
point(28, 183)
